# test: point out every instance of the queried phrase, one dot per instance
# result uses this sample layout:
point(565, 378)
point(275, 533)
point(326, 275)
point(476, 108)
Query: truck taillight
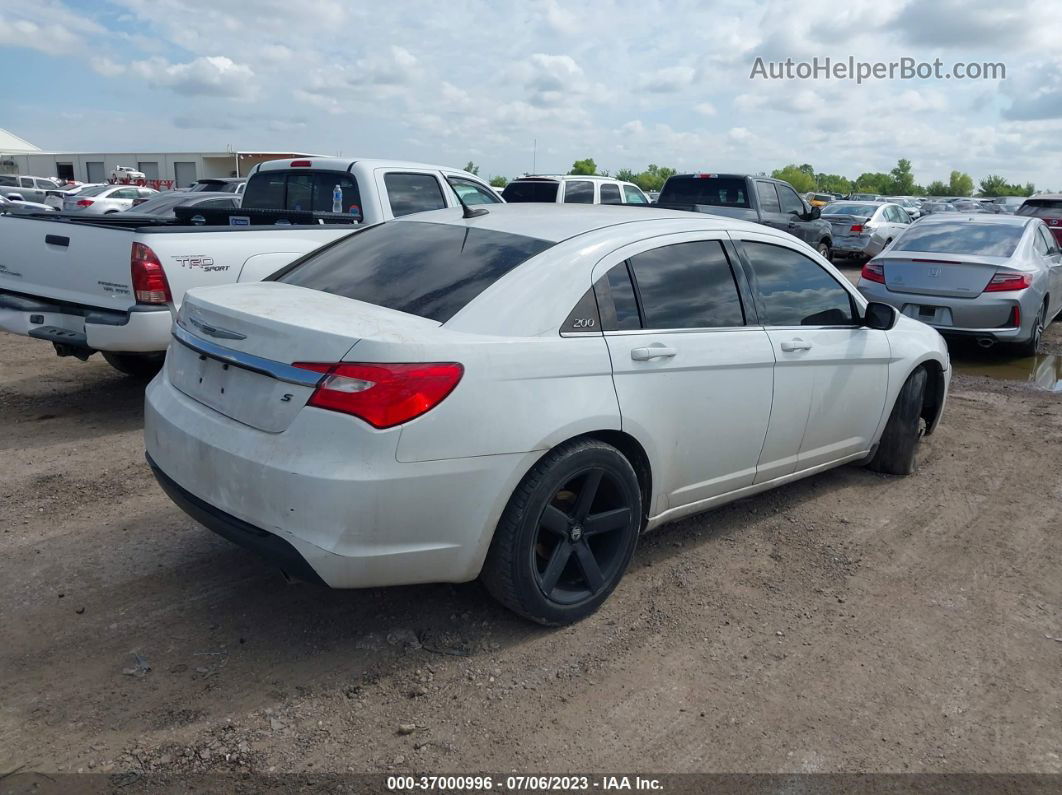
point(874, 272)
point(149, 279)
point(1006, 281)
point(384, 395)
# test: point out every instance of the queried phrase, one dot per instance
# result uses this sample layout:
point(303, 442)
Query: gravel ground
point(849, 622)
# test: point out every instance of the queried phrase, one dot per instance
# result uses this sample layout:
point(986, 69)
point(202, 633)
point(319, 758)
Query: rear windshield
point(961, 237)
point(1041, 208)
point(716, 191)
point(530, 192)
point(163, 203)
point(426, 269)
point(862, 210)
point(301, 190)
point(95, 190)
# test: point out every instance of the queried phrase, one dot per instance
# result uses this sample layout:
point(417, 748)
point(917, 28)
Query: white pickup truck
point(113, 283)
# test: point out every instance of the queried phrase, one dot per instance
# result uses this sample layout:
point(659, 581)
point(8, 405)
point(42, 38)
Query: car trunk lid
point(842, 224)
point(238, 344)
point(945, 275)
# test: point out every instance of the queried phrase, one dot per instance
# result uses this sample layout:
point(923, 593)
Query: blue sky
point(628, 83)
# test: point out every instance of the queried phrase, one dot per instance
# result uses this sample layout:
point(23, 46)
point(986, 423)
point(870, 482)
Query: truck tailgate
point(72, 262)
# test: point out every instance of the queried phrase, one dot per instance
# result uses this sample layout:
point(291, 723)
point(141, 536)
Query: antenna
point(468, 212)
point(534, 155)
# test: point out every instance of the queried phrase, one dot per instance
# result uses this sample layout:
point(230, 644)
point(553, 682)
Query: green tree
point(472, 168)
point(625, 175)
point(833, 183)
point(498, 182)
point(808, 169)
point(903, 183)
point(587, 166)
point(960, 184)
point(995, 185)
point(936, 188)
point(873, 182)
point(795, 176)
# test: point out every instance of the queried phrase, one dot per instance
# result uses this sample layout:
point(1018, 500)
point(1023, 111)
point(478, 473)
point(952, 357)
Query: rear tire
point(824, 250)
point(898, 447)
point(137, 365)
point(567, 535)
point(1028, 348)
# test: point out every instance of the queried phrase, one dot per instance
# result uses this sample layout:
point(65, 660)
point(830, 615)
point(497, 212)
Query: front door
point(694, 382)
point(831, 373)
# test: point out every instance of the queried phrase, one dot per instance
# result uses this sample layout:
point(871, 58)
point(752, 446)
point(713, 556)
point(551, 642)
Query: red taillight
point(874, 272)
point(856, 228)
point(84, 202)
point(149, 279)
point(1006, 281)
point(300, 163)
point(384, 395)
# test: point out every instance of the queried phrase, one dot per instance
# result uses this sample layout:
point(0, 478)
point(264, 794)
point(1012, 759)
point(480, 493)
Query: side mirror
point(880, 316)
point(815, 213)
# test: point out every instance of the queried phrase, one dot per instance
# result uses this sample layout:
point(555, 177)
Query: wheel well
point(635, 453)
point(933, 399)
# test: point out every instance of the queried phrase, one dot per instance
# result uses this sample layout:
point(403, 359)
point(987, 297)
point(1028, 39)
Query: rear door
point(1052, 257)
point(694, 380)
point(831, 374)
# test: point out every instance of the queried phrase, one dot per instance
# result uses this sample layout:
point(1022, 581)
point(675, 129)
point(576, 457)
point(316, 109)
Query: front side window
point(471, 193)
point(610, 194)
point(687, 285)
point(633, 195)
point(795, 290)
point(768, 197)
point(579, 192)
point(789, 200)
point(413, 193)
point(426, 269)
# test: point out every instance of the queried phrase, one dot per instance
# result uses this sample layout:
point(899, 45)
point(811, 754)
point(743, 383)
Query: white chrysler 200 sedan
point(517, 394)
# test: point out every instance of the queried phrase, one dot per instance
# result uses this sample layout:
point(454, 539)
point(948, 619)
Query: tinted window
point(471, 193)
point(961, 237)
point(266, 191)
point(1041, 208)
point(94, 190)
point(796, 291)
point(531, 191)
point(431, 270)
point(621, 304)
point(634, 196)
point(687, 285)
point(790, 201)
point(8, 181)
point(413, 193)
point(217, 203)
point(300, 190)
point(768, 197)
point(610, 194)
point(579, 192)
point(843, 208)
point(716, 191)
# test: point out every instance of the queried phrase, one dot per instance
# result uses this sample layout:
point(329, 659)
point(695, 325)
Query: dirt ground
point(849, 622)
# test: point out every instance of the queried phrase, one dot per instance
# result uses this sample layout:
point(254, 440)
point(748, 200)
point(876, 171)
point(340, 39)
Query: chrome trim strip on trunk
point(246, 361)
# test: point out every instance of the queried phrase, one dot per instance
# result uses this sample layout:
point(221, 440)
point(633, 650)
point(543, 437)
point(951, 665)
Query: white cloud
point(211, 76)
point(47, 26)
point(668, 79)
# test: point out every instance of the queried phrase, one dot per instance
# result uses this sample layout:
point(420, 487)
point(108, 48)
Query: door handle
point(652, 352)
point(796, 345)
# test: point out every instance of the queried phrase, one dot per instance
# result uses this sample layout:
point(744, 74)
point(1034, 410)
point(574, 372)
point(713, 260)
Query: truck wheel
point(138, 365)
point(567, 534)
point(824, 249)
point(899, 441)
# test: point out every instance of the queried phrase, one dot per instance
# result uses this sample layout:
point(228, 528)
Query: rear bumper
point(989, 315)
point(138, 330)
point(852, 246)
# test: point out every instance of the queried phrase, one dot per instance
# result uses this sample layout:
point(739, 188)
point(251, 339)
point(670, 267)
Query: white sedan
point(105, 199)
point(520, 393)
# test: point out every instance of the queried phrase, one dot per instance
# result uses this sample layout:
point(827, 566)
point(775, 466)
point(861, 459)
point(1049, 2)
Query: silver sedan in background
point(105, 199)
point(995, 278)
point(862, 229)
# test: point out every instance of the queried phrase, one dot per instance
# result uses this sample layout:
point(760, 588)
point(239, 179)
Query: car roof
point(1048, 196)
point(977, 218)
point(557, 222)
point(347, 163)
point(867, 202)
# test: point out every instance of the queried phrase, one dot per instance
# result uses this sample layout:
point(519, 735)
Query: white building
point(171, 169)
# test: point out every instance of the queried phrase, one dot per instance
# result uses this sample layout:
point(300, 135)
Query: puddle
point(1042, 371)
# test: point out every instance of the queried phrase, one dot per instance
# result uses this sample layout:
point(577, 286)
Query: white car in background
point(518, 392)
point(105, 199)
point(573, 189)
point(126, 174)
point(14, 203)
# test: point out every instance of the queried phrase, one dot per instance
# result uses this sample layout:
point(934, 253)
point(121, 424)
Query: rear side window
point(579, 192)
point(616, 299)
point(6, 181)
point(413, 193)
point(715, 191)
point(961, 237)
point(531, 191)
point(795, 290)
point(768, 197)
point(425, 269)
point(610, 194)
point(687, 285)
